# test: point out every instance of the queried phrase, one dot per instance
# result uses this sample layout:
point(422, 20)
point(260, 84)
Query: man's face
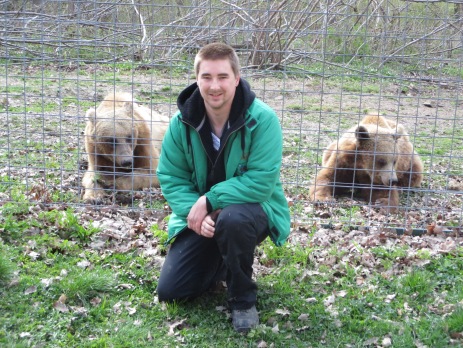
point(217, 84)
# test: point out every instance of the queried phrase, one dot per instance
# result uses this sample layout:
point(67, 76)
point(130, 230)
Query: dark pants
point(194, 263)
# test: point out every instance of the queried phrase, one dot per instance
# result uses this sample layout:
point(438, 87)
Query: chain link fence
point(322, 65)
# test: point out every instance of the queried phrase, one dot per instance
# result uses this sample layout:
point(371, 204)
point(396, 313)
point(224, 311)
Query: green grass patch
point(313, 296)
point(6, 266)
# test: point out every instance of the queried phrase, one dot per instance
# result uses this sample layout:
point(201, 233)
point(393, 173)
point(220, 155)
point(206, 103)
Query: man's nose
point(215, 84)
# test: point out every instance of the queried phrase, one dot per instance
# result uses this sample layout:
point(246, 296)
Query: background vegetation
point(274, 34)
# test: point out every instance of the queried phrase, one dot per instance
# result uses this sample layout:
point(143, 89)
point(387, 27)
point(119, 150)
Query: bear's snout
point(127, 163)
point(389, 178)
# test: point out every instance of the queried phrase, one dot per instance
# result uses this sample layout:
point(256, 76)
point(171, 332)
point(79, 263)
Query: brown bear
point(373, 157)
point(123, 141)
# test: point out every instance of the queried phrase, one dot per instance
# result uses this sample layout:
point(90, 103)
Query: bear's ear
point(399, 131)
point(361, 133)
point(128, 106)
point(90, 115)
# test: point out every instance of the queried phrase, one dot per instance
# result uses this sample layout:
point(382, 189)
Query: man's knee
point(242, 218)
point(180, 288)
point(234, 215)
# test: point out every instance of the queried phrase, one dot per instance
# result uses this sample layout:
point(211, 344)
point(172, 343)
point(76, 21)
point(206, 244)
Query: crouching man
point(219, 171)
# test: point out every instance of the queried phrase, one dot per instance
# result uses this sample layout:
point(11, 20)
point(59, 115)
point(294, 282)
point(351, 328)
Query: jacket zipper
point(221, 147)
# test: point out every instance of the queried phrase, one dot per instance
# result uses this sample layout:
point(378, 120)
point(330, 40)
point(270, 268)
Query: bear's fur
point(373, 157)
point(123, 141)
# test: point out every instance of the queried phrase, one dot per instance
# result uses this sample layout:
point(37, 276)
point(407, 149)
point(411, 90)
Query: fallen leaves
point(60, 305)
point(355, 247)
point(30, 290)
point(435, 228)
point(119, 307)
point(283, 312)
point(177, 325)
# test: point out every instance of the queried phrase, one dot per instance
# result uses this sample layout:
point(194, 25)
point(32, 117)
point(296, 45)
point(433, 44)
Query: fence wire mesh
point(322, 65)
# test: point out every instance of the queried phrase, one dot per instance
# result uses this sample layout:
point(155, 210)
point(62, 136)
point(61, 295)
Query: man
point(219, 171)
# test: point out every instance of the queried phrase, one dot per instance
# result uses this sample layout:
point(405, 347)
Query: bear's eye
point(129, 140)
point(381, 163)
point(110, 141)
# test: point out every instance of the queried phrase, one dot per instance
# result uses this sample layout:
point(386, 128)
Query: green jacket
point(252, 156)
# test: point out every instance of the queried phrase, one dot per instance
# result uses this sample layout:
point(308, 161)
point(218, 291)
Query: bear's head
point(378, 152)
point(114, 134)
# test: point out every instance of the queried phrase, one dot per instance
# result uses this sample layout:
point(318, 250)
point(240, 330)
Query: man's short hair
point(216, 51)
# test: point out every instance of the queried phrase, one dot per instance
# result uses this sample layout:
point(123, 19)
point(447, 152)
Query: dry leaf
point(95, 301)
point(80, 311)
point(83, 264)
point(60, 307)
point(176, 325)
point(30, 290)
point(125, 286)
point(46, 282)
point(389, 298)
point(117, 308)
point(33, 255)
point(283, 312)
point(329, 300)
point(275, 329)
point(14, 282)
point(131, 310)
point(62, 298)
point(370, 341)
point(386, 342)
point(456, 335)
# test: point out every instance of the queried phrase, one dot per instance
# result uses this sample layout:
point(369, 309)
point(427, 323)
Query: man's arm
point(174, 173)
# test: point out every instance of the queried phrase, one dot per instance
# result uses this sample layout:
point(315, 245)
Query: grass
point(6, 267)
point(68, 294)
point(68, 225)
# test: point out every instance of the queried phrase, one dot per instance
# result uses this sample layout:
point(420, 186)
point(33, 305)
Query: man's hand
point(196, 215)
point(208, 224)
